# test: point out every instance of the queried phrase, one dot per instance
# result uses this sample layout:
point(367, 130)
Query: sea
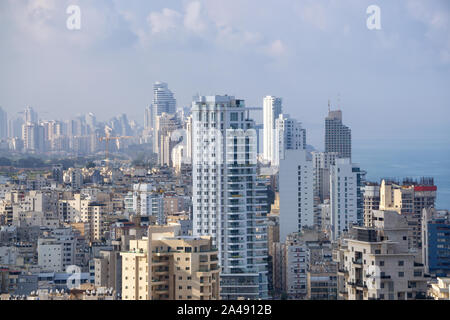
point(412, 159)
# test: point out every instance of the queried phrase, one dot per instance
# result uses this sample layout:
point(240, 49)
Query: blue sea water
point(408, 159)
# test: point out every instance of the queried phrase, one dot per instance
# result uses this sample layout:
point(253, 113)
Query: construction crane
point(108, 138)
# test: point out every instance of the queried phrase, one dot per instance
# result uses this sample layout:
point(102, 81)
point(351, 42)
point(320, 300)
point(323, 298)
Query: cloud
point(164, 21)
point(435, 16)
point(313, 14)
point(196, 23)
point(193, 19)
point(276, 48)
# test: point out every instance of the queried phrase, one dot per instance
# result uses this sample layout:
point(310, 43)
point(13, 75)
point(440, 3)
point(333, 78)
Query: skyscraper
point(163, 101)
point(289, 135)
point(346, 196)
point(30, 115)
point(338, 137)
point(229, 202)
point(272, 109)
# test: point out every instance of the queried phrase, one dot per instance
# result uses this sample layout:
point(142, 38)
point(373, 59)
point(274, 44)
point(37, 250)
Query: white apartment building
point(272, 108)
point(296, 192)
point(57, 251)
point(346, 198)
point(146, 202)
point(229, 203)
point(289, 135)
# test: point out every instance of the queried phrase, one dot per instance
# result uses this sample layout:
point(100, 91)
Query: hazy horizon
point(393, 83)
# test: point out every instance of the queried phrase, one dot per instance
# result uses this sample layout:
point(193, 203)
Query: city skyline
point(109, 65)
point(224, 150)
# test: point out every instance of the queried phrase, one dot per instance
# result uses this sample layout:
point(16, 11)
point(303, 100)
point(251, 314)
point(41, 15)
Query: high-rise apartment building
point(229, 202)
point(346, 196)
point(289, 135)
point(166, 266)
point(338, 137)
point(296, 192)
point(272, 108)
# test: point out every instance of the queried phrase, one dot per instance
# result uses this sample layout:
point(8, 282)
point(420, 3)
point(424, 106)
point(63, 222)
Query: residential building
point(229, 202)
point(436, 241)
point(289, 135)
point(296, 189)
point(165, 266)
point(409, 198)
point(374, 262)
point(346, 196)
point(272, 108)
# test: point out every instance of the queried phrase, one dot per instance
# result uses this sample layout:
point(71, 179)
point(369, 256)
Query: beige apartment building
point(165, 266)
point(375, 263)
point(409, 199)
point(440, 290)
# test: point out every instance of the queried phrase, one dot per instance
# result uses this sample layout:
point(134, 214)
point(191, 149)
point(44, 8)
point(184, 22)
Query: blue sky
point(393, 83)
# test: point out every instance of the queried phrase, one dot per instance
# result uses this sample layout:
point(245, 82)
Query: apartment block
point(374, 263)
point(165, 266)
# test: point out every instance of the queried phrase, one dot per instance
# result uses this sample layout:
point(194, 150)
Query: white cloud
point(276, 48)
point(193, 19)
point(314, 14)
point(436, 18)
point(163, 21)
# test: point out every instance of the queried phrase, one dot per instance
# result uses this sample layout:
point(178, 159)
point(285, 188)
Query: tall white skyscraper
point(3, 124)
point(346, 196)
point(163, 101)
point(229, 202)
point(271, 108)
point(289, 135)
point(296, 192)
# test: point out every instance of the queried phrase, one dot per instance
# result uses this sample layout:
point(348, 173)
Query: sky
point(392, 84)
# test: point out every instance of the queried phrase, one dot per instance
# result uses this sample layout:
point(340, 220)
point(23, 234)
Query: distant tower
point(30, 115)
point(3, 124)
point(272, 108)
point(338, 137)
point(163, 101)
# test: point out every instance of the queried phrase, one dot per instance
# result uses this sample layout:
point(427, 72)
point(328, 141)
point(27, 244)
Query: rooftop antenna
point(329, 106)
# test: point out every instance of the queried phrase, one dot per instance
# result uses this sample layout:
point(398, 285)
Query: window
point(401, 274)
point(381, 263)
point(401, 263)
